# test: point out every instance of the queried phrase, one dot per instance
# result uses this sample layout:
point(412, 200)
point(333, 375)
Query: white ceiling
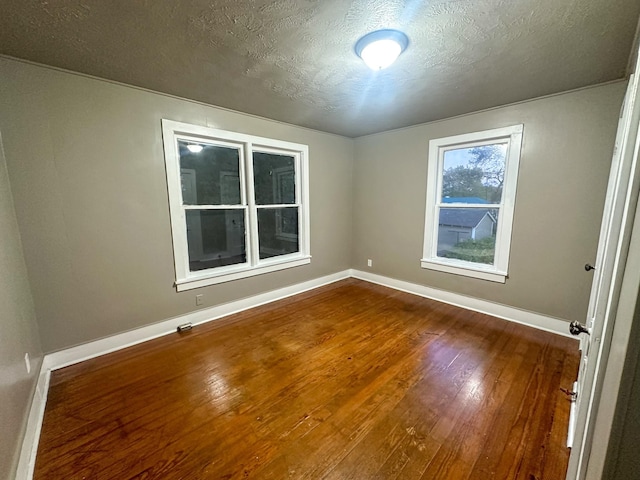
point(293, 60)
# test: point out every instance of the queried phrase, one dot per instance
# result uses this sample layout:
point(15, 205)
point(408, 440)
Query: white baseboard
point(27, 461)
point(525, 317)
point(70, 356)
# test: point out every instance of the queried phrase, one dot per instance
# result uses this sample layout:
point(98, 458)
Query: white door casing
point(617, 221)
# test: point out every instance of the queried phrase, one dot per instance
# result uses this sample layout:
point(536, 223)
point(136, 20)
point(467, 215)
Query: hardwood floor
point(349, 381)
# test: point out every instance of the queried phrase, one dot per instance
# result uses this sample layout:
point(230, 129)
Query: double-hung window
point(239, 204)
point(471, 190)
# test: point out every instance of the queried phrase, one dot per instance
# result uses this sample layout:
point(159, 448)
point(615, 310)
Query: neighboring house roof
point(463, 200)
point(463, 217)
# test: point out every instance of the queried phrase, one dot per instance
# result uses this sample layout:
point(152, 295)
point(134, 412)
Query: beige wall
point(86, 165)
point(87, 170)
point(566, 154)
point(18, 333)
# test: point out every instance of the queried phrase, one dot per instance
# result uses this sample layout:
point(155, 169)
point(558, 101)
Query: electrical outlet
point(198, 300)
point(27, 362)
point(369, 263)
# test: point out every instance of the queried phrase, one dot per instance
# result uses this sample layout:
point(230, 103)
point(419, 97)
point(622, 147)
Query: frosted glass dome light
point(381, 48)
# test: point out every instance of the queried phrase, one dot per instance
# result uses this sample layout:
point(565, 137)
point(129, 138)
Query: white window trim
point(247, 144)
point(497, 272)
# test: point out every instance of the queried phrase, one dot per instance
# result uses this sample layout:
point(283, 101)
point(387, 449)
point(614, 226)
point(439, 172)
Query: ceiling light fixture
point(381, 48)
point(194, 148)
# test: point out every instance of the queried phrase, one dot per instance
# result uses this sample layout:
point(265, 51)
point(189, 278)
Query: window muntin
point(238, 204)
point(470, 199)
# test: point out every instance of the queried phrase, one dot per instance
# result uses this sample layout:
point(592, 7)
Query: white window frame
point(498, 272)
point(172, 132)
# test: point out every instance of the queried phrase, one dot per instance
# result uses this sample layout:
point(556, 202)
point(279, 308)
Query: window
point(239, 204)
point(471, 189)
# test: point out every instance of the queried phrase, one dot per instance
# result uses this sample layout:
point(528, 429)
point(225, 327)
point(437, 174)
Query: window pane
point(474, 175)
point(210, 176)
point(215, 238)
point(274, 178)
point(468, 234)
point(278, 231)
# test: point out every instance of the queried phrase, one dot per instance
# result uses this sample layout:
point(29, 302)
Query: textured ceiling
point(293, 60)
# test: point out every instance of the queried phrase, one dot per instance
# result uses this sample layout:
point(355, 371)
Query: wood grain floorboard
point(348, 381)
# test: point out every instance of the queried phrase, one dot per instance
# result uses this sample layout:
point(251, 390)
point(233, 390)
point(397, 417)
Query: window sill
point(267, 266)
point(466, 269)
